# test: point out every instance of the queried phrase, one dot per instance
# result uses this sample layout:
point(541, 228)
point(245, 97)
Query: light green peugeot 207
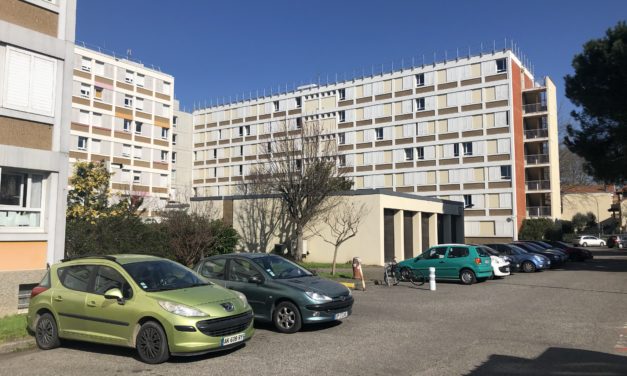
point(155, 305)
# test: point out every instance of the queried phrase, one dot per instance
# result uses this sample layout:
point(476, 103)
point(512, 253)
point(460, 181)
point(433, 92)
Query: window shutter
point(408, 178)
point(350, 115)
point(448, 151)
point(408, 129)
point(494, 173)
point(451, 100)
point(429, 103)
point(503, 146)
point(17, 76)
point(399, 155)
point(387, 133)
point(349, 137)
point(453, 176)
point(350, 160)
point(367, 90)
point(478, 147)
point(478, 201)
point(368, 135)
point(368, 112)
point(429, 78)
point(421, 178)
point(429, 152)
point(505, 200)
point(452, 125)
point(422, 129)
point(488, 67)
point(268, 108)
point(283, 105)
point(407, 106)
point(501, 92)
point(350, 92)
point(42, 86)
point(466, 72)
point(408, 82)
point(368, 181)
point(368, 159)
point(500, 119)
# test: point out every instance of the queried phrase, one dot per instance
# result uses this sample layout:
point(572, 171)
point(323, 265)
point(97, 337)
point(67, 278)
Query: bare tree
point(343, 224)
point(303, 172)
point(571, 168)
point(258, 217)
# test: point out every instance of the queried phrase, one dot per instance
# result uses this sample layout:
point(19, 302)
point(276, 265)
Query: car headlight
point(242, 297)
point(181, 309)
point(318, 297)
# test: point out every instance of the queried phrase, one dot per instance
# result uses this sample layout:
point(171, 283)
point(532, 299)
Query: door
point(107, 319)
point(408, 234)
point(68, 299)
point(457, 258)
point(240, 271)
point(388, 235)
point(433, 257)
point(215, 270)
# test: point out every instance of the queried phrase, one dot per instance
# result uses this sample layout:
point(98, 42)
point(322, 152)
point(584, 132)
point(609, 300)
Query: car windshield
point(517, 249)
point(491, 251)
point(482, 252)
point(162, 275)
point(279, 268)
point(543, 244)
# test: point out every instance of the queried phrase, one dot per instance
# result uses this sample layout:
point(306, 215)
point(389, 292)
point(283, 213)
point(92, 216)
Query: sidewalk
point(17, 345)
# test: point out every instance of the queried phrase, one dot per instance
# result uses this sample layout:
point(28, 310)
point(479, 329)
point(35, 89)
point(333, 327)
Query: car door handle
point(91, 304)
point(441, 262)
point(58, 298)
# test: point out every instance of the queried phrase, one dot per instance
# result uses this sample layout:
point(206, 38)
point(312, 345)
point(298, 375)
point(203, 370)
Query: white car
point(588, 240)
point(500, 267)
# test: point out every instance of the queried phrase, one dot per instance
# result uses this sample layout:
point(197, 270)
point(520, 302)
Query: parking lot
point(563, 321)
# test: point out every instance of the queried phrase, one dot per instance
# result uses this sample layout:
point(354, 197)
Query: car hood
point(195, 296)
point(315, 284)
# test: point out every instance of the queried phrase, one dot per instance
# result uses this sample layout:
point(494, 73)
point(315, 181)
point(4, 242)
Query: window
point(98, 93)
point(409, 154)
point(299, 102)
point(435, 253)
point(241, 131)
point(269, 147)
point(456, 150)
point(164, 134)
point(506, 172)
point(29, 82)
point(213, 268)
point(420, 104)
point(83, 117)
point(299, 123)
point(99, 68)
point(139, 104)
point(468, 201)
point(174, 121)
point(420, 153)
point(299, 165)
point(420, 79)
point(341, 138)
point(141, 79)
point(164, 156)
point(138, 127)
point(195, 155)
point(108, 278)
point(242, 271)
point(275, 105)
point(501, 65)
point(378, 133)
point(127, 125)
point(20, 198)
point(215, 153)
point(137, 176)
point(166, 88)
point(173, 157)
point(341, 160)
point(126, 150)
point(95, 146)
point(86, 64)
point(342, 116)
point(82, 143)
point(240, 170)
point(128, 77)
point(137, 152)
point(456, 252)
point(76, 277)
point(85, 90)
point(467, 146)
point(241, 150)
point(128, 101)
point(341, 94)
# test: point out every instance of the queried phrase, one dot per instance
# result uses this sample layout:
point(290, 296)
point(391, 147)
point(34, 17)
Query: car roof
point(248, 255)
point(118, 258)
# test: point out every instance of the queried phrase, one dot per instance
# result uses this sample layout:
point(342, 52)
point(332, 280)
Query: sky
point(221, 49)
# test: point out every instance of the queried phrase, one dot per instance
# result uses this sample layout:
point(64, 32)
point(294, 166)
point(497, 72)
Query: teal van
point(466, 263)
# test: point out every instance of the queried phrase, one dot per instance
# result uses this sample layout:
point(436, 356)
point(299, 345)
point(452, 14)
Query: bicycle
point(393, 275)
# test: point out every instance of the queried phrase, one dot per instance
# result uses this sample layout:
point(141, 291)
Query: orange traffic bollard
point(357, 272)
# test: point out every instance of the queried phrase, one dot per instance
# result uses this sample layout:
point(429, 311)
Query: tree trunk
point(300, 244)
point(334, 260)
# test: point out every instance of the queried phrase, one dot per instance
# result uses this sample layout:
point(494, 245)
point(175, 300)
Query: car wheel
point(152, 343)
point(602, 244)
point(287, 318)
point(528, 267)
point(620, 246)
point(585, 244)
point(46, 332)
point(467, 277)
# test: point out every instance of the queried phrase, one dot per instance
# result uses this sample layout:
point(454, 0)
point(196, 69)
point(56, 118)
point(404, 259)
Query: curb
point(17, 345)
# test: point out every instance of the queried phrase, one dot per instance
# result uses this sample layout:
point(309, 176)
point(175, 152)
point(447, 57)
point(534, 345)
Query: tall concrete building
point(36, 54)
point(122, 114)
point(182, 138)
point(479, 130)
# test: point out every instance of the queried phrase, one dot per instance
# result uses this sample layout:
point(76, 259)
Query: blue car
point(557, 258)
point(521, 259)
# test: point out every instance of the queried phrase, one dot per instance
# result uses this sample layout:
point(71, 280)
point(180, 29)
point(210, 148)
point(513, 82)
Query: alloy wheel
point(149, 343)
point(286, 318)
point(45, 331)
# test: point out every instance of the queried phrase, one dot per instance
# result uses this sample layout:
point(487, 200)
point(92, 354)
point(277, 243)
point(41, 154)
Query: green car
point(279, 290)
point(453, 261)
point(155, 305)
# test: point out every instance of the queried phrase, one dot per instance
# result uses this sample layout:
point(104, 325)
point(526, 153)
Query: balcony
point(534, 108)
point(536, 133)
point(536, 159)
point(538, 185)
point(538, 211)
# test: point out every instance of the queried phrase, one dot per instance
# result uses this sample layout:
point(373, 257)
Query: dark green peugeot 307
point(279, 290)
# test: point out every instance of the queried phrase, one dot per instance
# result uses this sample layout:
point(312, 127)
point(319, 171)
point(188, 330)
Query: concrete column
point(433, 230)
point(399, 239)
point(417, 234)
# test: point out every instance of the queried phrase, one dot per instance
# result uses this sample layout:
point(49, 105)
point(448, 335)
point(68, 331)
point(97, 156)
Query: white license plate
point(341, 315)
point(233, 339)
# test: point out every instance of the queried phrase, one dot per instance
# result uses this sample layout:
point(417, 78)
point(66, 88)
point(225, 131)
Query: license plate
point(233, 339)
point(341, 315)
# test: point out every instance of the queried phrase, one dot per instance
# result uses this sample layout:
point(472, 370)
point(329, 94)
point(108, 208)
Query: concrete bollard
point(432, 278)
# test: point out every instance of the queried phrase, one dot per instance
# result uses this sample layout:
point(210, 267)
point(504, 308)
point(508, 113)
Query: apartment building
point(36, 41)
point(182, 138)
point(477, 129)
point(122, 114)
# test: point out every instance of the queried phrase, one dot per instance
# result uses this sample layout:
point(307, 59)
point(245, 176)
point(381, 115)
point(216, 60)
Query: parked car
point(155, 305)
point(279, 290)
point(574, 253)
point(500, 264)
point(588, 240)
point(522, 260)
point(468, 263)
point(548, 246)
point(618, 241)
point(556, 259)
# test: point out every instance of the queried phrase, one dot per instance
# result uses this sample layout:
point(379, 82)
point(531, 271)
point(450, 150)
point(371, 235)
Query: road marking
point(621, 344)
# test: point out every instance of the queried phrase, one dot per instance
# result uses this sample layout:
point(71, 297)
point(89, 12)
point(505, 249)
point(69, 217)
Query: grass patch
point(13, 327)
point(324, 265)
point(337, 275)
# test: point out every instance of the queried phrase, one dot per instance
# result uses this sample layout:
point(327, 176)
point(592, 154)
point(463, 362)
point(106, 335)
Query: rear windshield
point(482, 253)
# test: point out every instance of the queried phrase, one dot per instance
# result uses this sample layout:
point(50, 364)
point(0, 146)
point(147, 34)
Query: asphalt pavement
point(566, 321)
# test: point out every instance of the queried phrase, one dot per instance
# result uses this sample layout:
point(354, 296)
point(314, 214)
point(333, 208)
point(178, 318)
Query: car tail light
point(37, 290)
point(478, 261)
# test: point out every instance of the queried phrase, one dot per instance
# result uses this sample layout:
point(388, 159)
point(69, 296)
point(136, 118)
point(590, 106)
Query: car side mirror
point(116, 294)
point(255, 279)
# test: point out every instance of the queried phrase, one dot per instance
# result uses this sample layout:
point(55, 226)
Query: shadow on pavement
point(555, 361)
point(306, 327)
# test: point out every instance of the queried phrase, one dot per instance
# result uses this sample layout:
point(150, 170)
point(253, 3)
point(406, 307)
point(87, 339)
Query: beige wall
point(573, 203)
point(554, 170)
